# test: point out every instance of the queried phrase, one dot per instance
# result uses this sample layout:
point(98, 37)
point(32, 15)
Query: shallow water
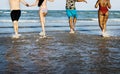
point(60, 53)
point(86, 27)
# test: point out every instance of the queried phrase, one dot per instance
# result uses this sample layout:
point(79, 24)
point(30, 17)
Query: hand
point(51, 0)
point(27, 5)
point(85, 1)
point(82, 1)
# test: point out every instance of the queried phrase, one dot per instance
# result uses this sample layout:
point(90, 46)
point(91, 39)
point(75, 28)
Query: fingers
point(27, 5)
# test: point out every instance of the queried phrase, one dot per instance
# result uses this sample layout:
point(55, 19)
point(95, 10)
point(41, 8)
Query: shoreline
point(81, 27)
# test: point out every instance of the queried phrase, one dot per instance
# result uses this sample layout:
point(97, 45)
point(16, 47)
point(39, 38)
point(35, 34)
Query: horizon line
point(63, 9)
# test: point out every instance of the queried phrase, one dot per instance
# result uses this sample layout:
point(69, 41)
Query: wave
point(58, 20)
point(116, 13)
point(24, 21)
point(6, 12)
point(34, 21)
point(23, 17)
point(88, 19)
point(117, 20)
point(1, 11)
point(24, 12)
point(96, 19)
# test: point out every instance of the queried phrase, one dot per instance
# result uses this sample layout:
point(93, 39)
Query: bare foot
point(16, 36)
point(105, 34)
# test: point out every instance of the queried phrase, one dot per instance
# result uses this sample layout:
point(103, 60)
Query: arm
point(97, 3)
point(109, 5)
point(51, 0)
point(82, 1)
point(26, 4)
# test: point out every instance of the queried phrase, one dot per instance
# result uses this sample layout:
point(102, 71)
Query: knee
point(15, 21)
point(70, 18)
point(42, 21)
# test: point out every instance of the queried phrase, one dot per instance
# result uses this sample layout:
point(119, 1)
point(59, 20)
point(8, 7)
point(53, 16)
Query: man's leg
point(71, 25)
point(75, 18)
point(15, 14)
point(74, 23)
point(15, 24)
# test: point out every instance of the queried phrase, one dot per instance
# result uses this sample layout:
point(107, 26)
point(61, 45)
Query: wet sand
point(60, 53)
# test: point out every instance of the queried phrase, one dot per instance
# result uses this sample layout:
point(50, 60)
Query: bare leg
point(100, 19)
point(74, 23)
point(104, 25)
point(42, 19)
point(15, 24)
point(105, 21)
point(71, 25)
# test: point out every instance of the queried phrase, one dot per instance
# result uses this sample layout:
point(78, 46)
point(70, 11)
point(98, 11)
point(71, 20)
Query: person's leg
point(105, 21)
point(100, 19)
point(42, 20)
point(74, 23)
point(69, 14)
point(71, 25)
point(15, 25)
point(104, 25)
point(75, 17)
point(15, 14)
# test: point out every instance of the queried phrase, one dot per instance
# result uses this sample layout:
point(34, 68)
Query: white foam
point(33, 21)
point(6, 12)
point(58, 20)
point(95, 19)
point(5, 20)
point(118, 20)
point(1, 11)
point(24, 12)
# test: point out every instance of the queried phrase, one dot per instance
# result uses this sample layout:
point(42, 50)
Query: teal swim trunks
point(71, 13)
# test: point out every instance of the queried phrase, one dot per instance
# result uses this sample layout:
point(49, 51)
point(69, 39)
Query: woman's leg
point(42, 20)
point(101, 19)
point(105, 21)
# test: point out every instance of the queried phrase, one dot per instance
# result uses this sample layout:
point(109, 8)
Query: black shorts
point(15, 15)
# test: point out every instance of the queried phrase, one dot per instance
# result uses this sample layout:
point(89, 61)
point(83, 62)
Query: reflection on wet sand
point(102, 60)
point(62, 54)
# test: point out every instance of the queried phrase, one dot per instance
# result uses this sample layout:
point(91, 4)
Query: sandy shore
point(60, 53)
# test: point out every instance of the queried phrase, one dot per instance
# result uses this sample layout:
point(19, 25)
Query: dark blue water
point(59, 15)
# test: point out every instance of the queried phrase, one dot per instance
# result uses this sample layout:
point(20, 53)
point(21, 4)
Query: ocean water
point(57, 20)
point(57, 15)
